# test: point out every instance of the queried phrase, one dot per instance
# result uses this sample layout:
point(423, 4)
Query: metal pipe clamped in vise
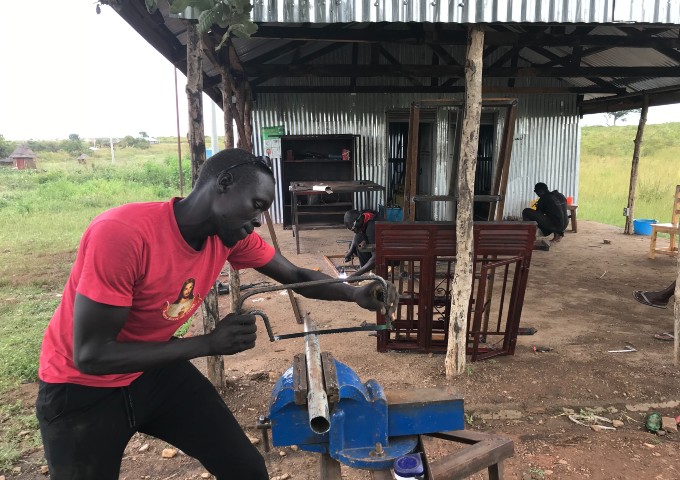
point(312, 283)
point(317, 400)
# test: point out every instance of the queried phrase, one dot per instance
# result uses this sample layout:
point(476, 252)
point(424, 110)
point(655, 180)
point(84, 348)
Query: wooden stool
point(481, 451)
point(572, 216)
point(670, 228)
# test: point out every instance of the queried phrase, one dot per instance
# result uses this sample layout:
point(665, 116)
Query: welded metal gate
point(419, 258)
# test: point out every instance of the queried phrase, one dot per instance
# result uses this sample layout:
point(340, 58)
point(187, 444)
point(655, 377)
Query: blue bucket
point(643, 226)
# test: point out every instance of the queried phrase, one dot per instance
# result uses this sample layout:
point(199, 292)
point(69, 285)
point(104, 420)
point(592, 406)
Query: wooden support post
point(211, 315)
point(411, 181)
point(195, 99)
point(240, 111)
point(226, 88)
point(676, 328)
point(462, 278)
point(194, 92)
point(628, 228)
point(503, 168)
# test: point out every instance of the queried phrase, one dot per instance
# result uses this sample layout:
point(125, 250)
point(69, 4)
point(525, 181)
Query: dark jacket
point(554, 206)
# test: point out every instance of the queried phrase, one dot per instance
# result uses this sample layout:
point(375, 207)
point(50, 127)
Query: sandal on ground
point(665, 337)
point(641, 297)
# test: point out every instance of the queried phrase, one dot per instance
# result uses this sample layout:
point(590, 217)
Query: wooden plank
point(628, 228)
point(472, 459)
point(462, 278)
point(502, 170)
point(411, 169)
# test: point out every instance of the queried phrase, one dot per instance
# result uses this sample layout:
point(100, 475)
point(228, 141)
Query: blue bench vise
point(364, 427)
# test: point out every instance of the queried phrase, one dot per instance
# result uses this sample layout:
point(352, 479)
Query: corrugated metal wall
point(471, 11)
point(546, 146)
point(545, 149)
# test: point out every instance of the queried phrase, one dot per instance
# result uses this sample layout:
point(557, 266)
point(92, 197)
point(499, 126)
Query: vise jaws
point(362, 426)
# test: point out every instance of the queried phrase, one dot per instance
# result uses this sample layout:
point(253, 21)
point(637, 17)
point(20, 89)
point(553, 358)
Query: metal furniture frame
point(298, 189)
point(419, 257)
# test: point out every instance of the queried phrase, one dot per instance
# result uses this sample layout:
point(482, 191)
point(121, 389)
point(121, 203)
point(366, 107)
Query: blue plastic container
point(394, 214)
point(643, 226)
point(391, 214)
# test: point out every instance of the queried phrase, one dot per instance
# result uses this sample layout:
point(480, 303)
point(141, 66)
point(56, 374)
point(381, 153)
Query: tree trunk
point(226, 90)
point(628, 229)
point(195, 99)
point(210, 307)
point(462, 278)
point(211, 316)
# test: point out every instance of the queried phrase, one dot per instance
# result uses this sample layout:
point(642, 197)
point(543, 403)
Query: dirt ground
point(579, 300)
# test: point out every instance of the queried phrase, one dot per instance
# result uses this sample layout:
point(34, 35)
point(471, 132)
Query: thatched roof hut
point(23, 157)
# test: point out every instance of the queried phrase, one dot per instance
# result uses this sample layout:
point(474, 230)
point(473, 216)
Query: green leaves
point(177, 6)
point(234, 15)
point(151, 6)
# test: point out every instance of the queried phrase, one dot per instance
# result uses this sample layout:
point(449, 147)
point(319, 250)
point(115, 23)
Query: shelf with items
point(318, 159)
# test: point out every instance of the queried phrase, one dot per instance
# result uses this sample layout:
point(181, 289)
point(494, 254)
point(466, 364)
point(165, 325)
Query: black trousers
point(544, 223)
point(85, 429)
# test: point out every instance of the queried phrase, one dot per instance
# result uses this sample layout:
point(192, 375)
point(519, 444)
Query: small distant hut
point(82, 159)
point(23, 158)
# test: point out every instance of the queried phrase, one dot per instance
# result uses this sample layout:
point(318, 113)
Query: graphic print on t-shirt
point(186, 301)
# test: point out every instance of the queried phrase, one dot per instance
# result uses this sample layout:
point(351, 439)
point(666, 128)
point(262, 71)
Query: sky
point(85, 73)
point(93, 75)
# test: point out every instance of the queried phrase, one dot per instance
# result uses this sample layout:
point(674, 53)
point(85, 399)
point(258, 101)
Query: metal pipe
point(312, 283)
point(317, 400)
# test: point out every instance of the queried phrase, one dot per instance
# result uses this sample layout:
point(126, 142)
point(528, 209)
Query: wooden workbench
point(298, 189)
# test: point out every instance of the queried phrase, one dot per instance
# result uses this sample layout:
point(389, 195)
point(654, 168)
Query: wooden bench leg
point(574, 225)
point(652, 244)
point(496, 471)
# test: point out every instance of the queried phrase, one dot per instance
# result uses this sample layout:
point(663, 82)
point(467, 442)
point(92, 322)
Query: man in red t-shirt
point(109, 366)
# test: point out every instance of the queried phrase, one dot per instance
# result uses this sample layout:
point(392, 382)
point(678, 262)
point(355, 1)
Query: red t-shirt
point(134, 256)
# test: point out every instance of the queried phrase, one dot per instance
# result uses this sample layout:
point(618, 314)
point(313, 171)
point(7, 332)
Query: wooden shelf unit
point(317, 158)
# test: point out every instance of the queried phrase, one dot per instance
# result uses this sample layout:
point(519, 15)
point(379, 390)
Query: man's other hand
point(371, 298)
point(234, 334)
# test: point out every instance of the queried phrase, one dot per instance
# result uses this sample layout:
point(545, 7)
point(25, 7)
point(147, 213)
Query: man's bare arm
point(96, 350)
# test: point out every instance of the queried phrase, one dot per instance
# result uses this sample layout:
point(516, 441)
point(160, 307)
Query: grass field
point(44, 213)
point(606, 155)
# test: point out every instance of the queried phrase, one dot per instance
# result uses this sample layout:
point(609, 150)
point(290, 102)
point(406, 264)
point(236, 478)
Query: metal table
point(307, 188)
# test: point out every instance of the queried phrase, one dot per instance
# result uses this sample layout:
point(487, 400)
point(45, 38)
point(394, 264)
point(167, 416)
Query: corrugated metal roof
point(478, 11)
